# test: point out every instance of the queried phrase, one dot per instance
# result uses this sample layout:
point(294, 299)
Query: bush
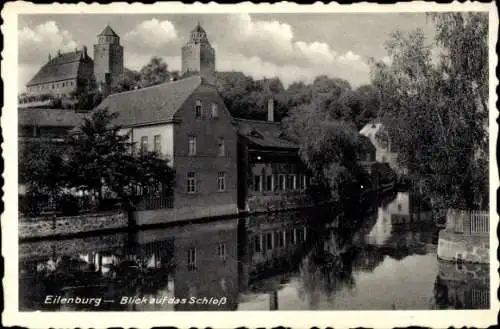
point(68, 205)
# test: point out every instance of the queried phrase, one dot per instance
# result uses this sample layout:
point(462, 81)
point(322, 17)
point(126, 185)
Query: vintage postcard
point(295, 165)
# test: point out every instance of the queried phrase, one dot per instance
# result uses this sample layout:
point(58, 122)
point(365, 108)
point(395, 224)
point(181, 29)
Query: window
point(256, 243)
point(300, 235)
point(157, 144)
point(191, 182)
point(269, 241)
point(279, 239)
point(289, 182)
point(191, 263)
point(198, 109)
point(282, 182)
point(221, 147)
point(221, 181)
point(214, 110)
point(291, 236)
point(256, 183)
point(192, 145)
point(221, 251)
point(269, 183)
point(304, 182)
point(294, 182)
point(144, 143)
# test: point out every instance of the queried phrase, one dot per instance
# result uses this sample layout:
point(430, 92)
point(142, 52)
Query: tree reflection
point(326, 269)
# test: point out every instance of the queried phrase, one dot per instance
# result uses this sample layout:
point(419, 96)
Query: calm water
point(377, 256)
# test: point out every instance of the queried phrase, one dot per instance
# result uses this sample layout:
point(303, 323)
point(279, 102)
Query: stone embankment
point(42, 227)
point(466, 237)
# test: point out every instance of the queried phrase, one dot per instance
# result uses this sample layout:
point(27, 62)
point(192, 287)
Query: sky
point(293, 47)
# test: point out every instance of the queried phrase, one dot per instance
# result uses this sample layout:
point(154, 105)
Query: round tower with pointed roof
point(108, 57)
point(197, 54)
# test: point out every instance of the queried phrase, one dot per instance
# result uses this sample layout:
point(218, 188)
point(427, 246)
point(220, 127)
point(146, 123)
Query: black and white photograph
point(251, 160)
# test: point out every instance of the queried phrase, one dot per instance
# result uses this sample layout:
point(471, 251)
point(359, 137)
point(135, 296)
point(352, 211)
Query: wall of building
point(206, 163)
point(86, 77)
point(190, 55)
point(166, 131)
point(198, 58)
point(108, 58)
point(62, 87)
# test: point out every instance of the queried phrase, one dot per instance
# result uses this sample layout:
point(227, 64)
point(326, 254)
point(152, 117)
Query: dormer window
point(255, 133)
point(198, 109)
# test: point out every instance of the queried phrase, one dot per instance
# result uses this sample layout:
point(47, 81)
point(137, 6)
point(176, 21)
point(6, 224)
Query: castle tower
point(108, 57)
point(198, 55)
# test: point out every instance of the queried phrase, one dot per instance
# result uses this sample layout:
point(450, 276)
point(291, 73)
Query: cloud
point(259, 48)
point(257, 68)
point(265, 47)
point(36, 43)
point(153, 37)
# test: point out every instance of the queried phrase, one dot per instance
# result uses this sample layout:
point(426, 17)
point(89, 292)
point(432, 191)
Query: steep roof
point(48, 117)
point(61, 67)
point(154, 104)
point(108, 31)
point(264, 133)
point(370, 129)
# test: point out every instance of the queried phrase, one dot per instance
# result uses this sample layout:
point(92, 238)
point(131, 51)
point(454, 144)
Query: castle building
point(63, 74)
point(198, 55)
point(67, 74)
point(108, 57)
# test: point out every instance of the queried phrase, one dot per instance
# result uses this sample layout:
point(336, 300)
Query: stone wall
point(162, 216)
point(54, 248)
point(468, 248)
point(44, 227)
point(278, 202)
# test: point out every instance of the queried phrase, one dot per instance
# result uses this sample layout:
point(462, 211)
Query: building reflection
point(246, 260)
point(272, 248)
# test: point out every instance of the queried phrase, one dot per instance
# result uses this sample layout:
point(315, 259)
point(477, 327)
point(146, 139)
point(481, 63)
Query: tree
point(102, 159)
point(328, 147)
point(436, 113)
point(41, 167)
point(42, 170)
point(129, 80)
point(155, 72)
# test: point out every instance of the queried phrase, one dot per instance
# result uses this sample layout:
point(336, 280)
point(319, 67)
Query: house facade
point(384, 152)
point(186, 122)
point(271, 175)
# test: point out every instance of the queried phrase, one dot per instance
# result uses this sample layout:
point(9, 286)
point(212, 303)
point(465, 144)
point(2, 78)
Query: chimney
point(270, 109)
point(50, 57)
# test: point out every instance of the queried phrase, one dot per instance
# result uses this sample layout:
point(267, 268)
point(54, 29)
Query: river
point(379, 255)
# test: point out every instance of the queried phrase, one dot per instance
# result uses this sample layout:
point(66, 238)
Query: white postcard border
point(297, 319)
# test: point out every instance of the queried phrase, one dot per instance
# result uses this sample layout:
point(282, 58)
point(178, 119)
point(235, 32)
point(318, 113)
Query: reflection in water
point(377, 256)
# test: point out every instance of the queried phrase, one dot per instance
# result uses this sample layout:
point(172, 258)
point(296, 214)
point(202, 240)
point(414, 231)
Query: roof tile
point(264, 133)
point(152, 104)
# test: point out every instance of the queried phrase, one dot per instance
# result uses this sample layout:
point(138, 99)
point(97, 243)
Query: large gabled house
point(187, 122)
